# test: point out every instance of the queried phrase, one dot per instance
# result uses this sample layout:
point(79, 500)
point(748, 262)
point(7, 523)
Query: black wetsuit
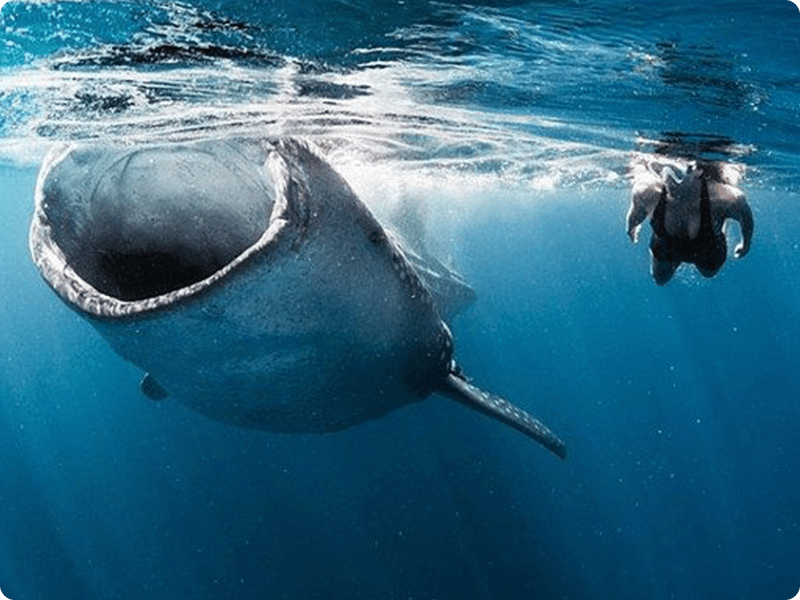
point(707, 251)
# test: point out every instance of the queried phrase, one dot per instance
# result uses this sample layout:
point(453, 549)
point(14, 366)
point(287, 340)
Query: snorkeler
point(688, 215)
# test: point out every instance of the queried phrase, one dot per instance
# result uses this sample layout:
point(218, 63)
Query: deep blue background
point(678, 405)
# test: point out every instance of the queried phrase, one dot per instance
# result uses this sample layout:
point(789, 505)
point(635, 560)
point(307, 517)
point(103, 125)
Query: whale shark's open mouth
point(139, 225)
point(158, 221)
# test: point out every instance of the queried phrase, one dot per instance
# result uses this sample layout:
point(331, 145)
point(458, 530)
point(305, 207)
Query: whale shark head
point(134, 225)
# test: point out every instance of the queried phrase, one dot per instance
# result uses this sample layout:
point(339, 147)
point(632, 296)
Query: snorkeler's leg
point(661, 267)
point(714, 257)
point(662, 271)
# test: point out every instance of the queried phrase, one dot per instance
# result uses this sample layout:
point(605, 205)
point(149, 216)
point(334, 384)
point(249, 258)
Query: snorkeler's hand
point(741, 250)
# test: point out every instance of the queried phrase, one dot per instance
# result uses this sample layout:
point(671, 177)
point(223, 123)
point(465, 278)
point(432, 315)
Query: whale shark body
point(249, 283)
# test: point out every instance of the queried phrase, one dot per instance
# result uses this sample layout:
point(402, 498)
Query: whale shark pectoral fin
point(456, 388)
point(151, 388)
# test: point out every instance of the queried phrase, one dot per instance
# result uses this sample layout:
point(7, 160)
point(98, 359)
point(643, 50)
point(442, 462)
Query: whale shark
point(248, 282)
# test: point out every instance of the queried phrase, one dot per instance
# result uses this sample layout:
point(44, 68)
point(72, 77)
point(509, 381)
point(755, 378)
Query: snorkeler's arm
point(736, 208)
point(643, 201)
point(744, 215)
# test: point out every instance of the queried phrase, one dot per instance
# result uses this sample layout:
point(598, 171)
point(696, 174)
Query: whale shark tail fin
point(456, 388)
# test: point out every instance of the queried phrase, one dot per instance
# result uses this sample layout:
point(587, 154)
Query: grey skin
point(249, 283)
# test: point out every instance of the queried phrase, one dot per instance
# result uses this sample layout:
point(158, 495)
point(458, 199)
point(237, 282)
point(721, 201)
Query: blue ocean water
point(511, 126)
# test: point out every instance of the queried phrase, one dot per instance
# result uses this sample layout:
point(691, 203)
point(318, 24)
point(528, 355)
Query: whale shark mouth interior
point(144, 231)
point(138, 275)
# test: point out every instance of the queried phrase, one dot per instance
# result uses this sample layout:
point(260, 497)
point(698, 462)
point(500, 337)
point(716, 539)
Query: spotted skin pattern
point(494, 406)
